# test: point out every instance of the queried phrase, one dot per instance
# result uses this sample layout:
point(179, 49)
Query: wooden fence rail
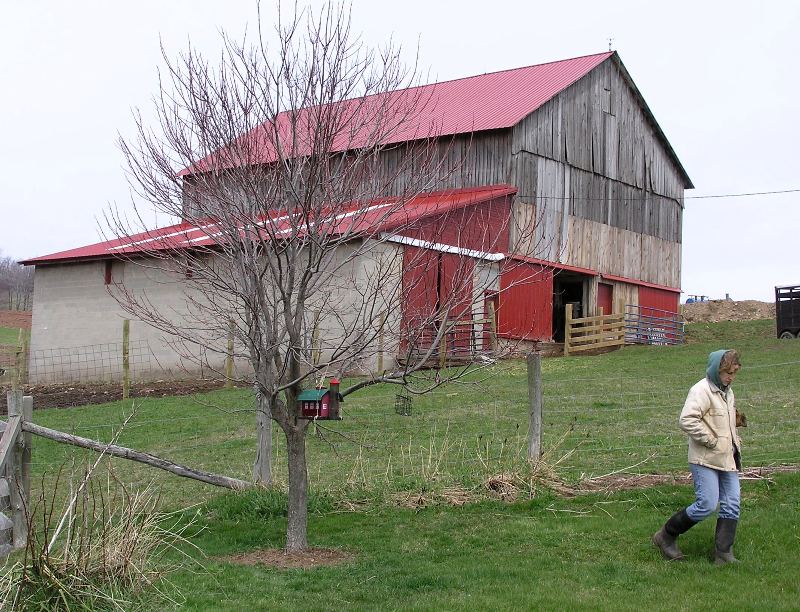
point(15, 473)
point(590, 333)
point(15, 467)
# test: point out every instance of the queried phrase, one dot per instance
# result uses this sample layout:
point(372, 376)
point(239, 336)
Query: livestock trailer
point(787, 311)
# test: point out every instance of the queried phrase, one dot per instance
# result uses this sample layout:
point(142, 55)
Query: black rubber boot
point(665, 538)
point(723, 541)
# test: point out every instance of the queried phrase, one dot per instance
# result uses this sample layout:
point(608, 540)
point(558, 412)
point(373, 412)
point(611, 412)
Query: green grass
point(9, 335)
point(607, 413)
point(591, 553)
point(601, 414)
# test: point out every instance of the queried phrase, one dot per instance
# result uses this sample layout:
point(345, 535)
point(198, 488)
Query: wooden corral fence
point(590, 333)
point(15, 473)
point(15, 467)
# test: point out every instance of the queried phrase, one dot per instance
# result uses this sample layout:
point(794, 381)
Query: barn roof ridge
point(518, 68)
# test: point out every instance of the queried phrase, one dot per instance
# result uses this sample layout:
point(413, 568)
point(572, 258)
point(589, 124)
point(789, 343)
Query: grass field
point(602, 414)
point(588, 553)
point(9, 335)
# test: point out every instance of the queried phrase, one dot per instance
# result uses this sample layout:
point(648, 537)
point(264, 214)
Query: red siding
point(419, 284)
point(456, 285)
point(482, 227)
point(431, 280)
point(526, 302)
point(605, 298)
point(658, 299)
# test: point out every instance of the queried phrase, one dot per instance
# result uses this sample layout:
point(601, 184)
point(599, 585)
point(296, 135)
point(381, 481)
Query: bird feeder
point(321, 403)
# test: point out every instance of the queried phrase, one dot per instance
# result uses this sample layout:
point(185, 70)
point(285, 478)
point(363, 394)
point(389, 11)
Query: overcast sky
point(720, 77)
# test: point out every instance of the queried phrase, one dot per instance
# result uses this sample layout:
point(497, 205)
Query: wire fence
point(586, 434)
point(464, 435)
point(91, 363)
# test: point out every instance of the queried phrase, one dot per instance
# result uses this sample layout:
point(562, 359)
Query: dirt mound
point(714, 311)
point(15, 318)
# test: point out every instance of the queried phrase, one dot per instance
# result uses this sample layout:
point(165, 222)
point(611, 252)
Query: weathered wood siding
point(597, 125)
point(454, 162)
point(620, 252)
point(600, 183)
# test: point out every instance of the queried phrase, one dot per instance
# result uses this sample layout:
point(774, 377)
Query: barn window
point(608, 101)
point(108, 279)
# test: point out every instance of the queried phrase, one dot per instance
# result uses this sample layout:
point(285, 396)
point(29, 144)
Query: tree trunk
point(262, 468)
point(296, 530)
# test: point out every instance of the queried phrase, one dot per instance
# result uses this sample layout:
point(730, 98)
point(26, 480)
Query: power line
point(740, 195)
point(642, 197)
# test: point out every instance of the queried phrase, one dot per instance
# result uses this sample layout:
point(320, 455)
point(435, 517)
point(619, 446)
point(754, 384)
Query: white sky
point(720, 77)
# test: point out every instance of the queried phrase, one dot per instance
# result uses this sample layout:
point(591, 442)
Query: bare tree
point(307, 229)
point(16, 285)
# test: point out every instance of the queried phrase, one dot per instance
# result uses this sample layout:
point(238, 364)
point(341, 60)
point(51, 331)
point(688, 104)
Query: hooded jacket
point(709, 419)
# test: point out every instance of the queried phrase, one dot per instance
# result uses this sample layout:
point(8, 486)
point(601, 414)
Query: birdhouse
point(320, 404)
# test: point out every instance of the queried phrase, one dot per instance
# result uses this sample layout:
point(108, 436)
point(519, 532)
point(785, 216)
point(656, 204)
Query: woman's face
point(726, 377)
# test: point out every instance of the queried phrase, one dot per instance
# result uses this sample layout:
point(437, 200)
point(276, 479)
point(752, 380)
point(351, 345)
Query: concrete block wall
point(73, 308)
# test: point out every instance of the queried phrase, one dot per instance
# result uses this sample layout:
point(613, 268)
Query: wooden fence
point(15, 467)
point(590, 333)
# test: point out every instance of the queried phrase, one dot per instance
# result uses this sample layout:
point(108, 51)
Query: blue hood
point(712, 371)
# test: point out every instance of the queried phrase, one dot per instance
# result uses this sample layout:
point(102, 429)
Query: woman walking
point(709, 419)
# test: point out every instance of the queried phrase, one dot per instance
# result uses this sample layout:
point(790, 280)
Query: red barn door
point(605, 298)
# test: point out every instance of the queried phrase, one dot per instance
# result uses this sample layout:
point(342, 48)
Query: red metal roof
point(378, 215)
point(496, 100)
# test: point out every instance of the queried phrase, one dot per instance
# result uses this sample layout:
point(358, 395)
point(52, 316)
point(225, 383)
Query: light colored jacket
point(709, 419)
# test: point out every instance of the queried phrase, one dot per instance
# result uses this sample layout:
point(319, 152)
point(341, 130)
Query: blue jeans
point(712, 487)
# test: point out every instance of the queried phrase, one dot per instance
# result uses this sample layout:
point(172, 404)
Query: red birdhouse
point(320, 404)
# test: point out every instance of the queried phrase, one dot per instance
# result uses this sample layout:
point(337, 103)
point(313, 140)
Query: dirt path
point(15, 318)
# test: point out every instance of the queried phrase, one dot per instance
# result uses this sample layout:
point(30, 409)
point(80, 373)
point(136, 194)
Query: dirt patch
point(69, 395)
point(307, 559)
point(15, 318)
point(714, 311)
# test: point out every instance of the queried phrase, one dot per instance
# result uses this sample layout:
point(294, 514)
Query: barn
point(569, 144)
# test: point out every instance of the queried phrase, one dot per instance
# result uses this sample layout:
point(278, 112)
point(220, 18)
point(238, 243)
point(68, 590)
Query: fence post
point(126, 359)
point(493, 327)
point(19, 470)
point(603, 322)
point(26, 354)
point(382, 322)
point(6, 524)
point(535, 401)
point(567, 328)
point(316, 353)
point(229, 357)
point(21, 357)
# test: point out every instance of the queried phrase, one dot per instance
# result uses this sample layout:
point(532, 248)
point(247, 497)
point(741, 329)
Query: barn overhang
point(358, 219)
point(633, 281)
